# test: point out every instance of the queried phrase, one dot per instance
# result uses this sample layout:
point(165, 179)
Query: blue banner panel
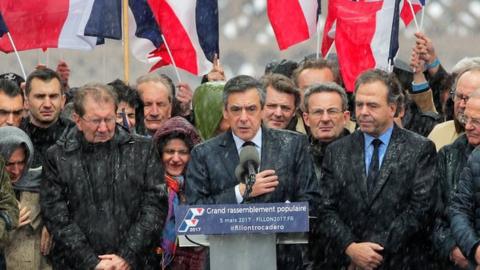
point(242, 218)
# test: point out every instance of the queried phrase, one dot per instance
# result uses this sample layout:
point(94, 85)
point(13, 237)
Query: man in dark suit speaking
point(377, 190)
point(286, 170)
point(285, 173)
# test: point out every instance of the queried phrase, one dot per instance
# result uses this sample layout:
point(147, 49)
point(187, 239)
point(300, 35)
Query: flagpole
point(126, 64)
point(171, 58)
point(318, 37)
point(413, 13)
point(329, 50)
point(16, 54)
point(421, 19)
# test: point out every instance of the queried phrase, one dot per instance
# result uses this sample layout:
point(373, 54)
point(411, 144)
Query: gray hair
point(327, 87)
point(99, 92)
point(465, 63)
point(473, 67)
point(157, 78)
point(240, 84)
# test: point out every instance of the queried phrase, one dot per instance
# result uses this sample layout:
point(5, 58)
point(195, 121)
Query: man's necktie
point(248, 143)
point(374, 165)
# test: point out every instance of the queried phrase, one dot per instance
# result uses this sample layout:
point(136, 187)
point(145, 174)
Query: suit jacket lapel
point(267, 150)
point(229, 154)
point(391, 155)
point(358, 158)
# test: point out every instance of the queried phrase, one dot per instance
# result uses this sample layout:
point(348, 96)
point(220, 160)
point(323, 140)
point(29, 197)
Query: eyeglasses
point(475, 122)
point(331, 112)
point(109, 121)
point(458, 96)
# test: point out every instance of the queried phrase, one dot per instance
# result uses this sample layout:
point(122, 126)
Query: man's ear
point(305, 119)
point(76, 119)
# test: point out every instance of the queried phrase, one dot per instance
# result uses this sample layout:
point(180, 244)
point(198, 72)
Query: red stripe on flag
point(354, 33)
point(177, 38)
point(329, 21)
point(33, 24)
point(406, 12)
point(288, 22)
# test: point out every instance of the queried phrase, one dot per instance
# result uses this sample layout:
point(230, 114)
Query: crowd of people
point(90, 176)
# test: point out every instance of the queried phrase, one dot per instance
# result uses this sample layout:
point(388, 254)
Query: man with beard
point(45, 99)
point(467, 81)
point(376, 191)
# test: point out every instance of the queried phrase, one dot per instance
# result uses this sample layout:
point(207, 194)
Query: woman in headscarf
point(208, 109)
point(29, 242)
point(175, 139)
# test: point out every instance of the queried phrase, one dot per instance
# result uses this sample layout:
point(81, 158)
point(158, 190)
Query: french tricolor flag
point(190, 29)
point(47, 24)
point(3, 26)
point(366, 37)
point(293, 21)
point(406, 12)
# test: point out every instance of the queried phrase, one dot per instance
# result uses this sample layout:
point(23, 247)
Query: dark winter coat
point(211, 177)
point(43, 138)
point(395, 215)
point(464, 208)
point(451, 160)
point(316, 241)
point(211, 170)
point(105, 198)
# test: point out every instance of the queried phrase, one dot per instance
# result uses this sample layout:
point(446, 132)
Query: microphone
point(247, 168)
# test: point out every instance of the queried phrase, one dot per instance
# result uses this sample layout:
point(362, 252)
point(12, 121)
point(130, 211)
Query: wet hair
point(388, 79)
point(241, 84)
point(10, 88)
point(44, 74)
point(328, 87)
point(313, 63)
point(125, 93)
point(99, 93)
point(157, 78)
point(281, 84)
point(163, 141)
point(284, 67)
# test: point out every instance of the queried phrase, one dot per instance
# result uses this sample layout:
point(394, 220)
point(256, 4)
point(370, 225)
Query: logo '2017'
point(190, 220)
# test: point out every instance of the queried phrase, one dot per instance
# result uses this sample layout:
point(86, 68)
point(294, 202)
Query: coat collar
point(71, 140)
point(394, 147)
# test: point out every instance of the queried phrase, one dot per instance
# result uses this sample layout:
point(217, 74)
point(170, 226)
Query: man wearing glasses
point(326, 114)
point(452, 159)
point(466, 82)
point(103, 196)
point(285, 173)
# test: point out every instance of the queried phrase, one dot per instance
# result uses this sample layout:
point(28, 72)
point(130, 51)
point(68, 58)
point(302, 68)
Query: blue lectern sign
point(242, 218)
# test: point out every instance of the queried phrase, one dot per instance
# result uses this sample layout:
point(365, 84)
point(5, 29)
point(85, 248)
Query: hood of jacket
point(10, 139)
